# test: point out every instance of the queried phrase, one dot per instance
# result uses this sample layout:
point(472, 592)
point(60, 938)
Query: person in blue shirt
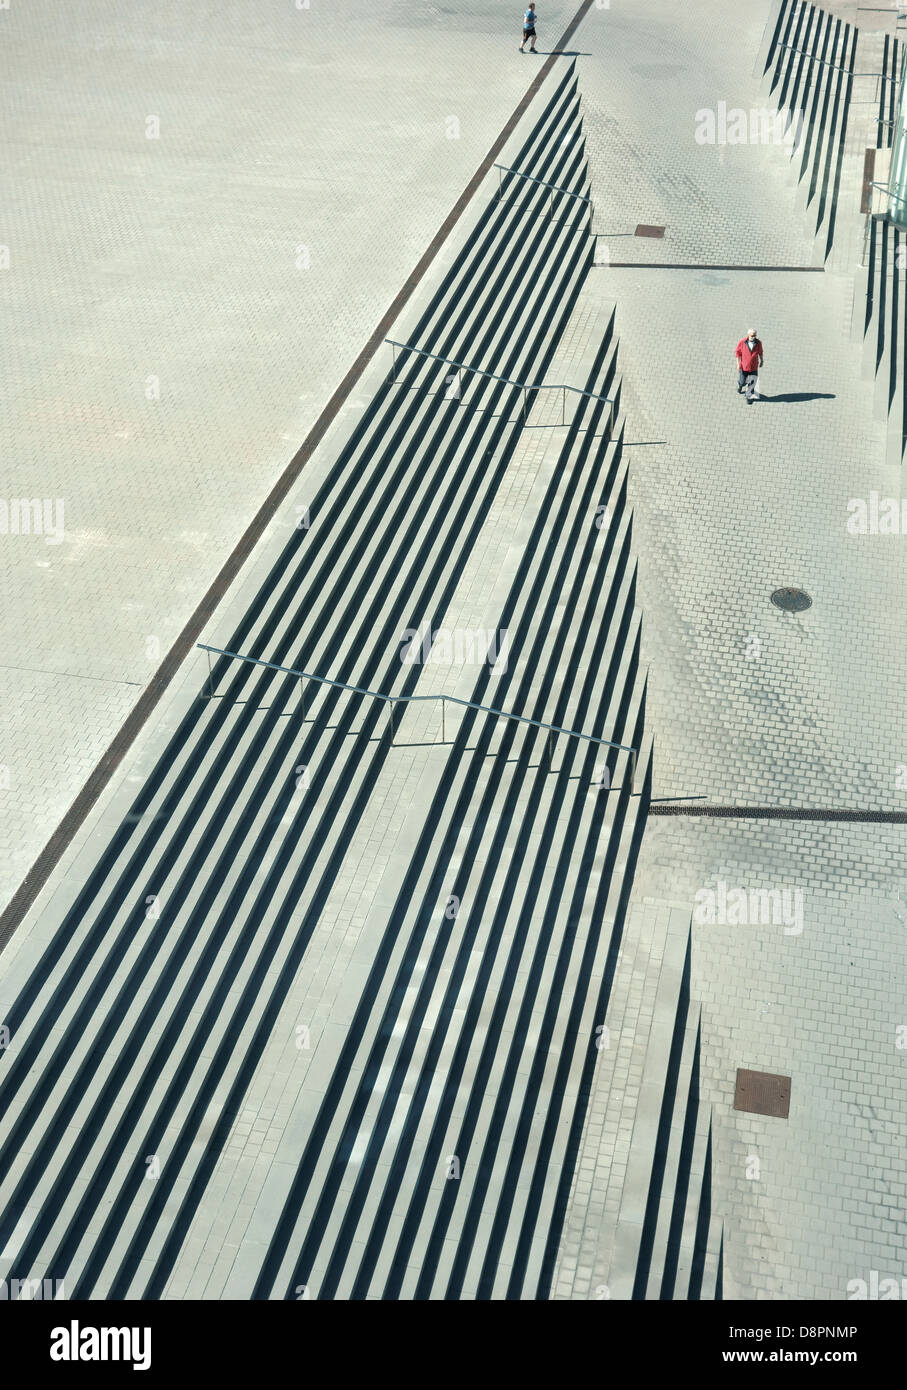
point(529, 28)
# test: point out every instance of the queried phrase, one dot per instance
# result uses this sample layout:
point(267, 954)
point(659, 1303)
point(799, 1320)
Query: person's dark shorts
point(528, 34)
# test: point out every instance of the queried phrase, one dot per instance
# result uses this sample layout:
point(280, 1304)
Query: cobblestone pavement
point(731, 501)
point(202, 231)
point(823, 1202)
point(747, 704)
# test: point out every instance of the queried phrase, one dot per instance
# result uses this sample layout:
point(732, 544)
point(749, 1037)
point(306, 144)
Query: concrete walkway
point(749, 705)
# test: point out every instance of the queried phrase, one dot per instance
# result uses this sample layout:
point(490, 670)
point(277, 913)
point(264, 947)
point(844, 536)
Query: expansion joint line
point(817, 813)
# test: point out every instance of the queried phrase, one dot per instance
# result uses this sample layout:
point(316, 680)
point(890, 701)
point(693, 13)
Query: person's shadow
point(793, 396)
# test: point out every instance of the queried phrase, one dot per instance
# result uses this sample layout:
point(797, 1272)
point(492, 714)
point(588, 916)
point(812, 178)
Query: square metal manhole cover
point(761, 1093)
point(645, 230)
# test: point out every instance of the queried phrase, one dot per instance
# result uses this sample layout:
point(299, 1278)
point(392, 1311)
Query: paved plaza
point(203, 231)
point(301, 1016)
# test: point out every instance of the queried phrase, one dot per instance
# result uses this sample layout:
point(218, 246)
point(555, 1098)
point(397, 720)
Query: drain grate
point(791, 600)
point(761, 1093)
point(644, 229)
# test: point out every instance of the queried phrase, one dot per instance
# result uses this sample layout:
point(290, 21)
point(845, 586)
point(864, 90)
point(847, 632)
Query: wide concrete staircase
point(428, 1152)
point(678, 1255)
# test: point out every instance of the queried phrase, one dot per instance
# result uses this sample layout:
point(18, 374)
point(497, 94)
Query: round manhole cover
point(791, 600)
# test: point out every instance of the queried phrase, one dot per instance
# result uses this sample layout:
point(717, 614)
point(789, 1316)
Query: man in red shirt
point(748, 354)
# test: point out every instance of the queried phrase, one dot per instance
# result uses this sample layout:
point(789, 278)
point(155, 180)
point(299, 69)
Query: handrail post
point(210, 681)
point(302, 698)
point(563, 405)
point(443, 720)
point(525, 404)
point(390, 706)
point(633, 773)
point(394, 363)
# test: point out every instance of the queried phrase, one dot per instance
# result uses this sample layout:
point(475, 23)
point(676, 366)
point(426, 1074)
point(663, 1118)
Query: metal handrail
point(507, 381)
point(532, 179)
point(814, 57)
point(411, 699)
point(885, 189)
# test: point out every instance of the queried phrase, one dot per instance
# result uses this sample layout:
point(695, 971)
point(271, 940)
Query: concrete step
point(692, 1210)
point(704, 1281)
point(675, 1257)
point(810, 66)
point(672, 1158)
point(633, 1236)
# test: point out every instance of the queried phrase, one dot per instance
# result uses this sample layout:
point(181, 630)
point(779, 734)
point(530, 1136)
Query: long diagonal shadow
point(792, 397)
